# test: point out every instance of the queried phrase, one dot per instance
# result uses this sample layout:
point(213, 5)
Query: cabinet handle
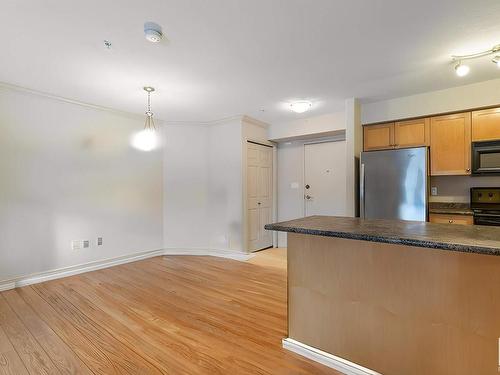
point(450, 221)
point(467, 170)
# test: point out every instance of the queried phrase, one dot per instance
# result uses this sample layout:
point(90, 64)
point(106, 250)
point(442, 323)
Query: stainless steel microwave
point(486, 157)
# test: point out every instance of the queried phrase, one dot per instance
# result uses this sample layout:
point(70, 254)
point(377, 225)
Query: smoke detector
point(152, 32)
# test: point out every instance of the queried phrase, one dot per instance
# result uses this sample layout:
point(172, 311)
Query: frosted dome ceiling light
point(301, 106)
point(147, 139)
point(152, 32)
point(461, 69)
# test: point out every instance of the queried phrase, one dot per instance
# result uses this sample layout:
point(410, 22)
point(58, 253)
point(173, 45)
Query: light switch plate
point(76, 245)
point(434, 190)
point(294, 185)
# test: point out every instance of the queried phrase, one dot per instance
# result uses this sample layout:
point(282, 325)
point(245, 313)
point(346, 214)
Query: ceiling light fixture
point(147, 140)
point(463, 70)
point(496, 60)
point(152, 32)
point(301, 106)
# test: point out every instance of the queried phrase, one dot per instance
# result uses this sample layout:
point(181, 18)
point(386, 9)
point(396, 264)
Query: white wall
point(67, 172)
point(457, 188)
point(307, 126)
point(460, 98)
point(185, 186)
point(225, 213)
point(203, 186)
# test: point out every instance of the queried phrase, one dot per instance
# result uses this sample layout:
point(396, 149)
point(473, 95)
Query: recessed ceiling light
point(461, 69)
point(152, 32)
point(301, 106)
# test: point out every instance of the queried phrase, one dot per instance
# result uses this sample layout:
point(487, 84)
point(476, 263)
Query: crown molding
point(25, 90)
point(254, 121)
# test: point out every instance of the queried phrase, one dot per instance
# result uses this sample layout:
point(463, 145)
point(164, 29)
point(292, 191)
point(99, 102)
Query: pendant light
point(147, 139)
point(149, 124)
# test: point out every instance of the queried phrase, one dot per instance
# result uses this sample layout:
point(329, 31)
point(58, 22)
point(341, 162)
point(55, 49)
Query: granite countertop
point(450, 208)
point(463, 238)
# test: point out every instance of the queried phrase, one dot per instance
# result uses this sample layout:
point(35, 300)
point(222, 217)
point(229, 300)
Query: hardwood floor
point(164, 315)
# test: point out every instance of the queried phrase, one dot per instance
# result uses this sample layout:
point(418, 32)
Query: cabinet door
point(412, 133)
point(451, 219)
point(378, 137)
point(451, 144)
point(486, 124)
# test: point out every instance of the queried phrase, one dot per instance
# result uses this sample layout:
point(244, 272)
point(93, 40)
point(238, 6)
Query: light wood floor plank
point(31, 353)
point(172, 315)
point(126, 360)
point(61, 355)
point(10, 363)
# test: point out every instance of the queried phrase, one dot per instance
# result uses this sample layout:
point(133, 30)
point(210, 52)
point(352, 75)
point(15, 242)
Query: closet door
point(259, 195)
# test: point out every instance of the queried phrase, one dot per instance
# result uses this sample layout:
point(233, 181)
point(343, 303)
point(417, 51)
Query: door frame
point(244, 221)
point(340, 138)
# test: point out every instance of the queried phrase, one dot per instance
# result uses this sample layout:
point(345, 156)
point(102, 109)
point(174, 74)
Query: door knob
point(308, 197)
point(258, 203)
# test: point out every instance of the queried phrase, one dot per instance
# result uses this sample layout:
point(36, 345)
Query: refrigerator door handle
point(362, 192)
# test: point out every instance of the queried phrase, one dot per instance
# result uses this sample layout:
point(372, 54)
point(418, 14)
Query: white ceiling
point(232, 57)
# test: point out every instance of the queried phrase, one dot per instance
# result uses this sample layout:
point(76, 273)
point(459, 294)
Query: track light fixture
point(496, 60)
point(462, 69)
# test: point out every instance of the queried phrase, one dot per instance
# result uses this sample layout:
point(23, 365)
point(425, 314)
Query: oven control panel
point(485, 195)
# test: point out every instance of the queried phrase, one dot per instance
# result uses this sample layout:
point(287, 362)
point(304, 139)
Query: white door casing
point(259, 195)
point(325, 178)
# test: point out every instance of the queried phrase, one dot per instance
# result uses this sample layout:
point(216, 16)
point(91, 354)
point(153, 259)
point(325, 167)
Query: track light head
point(461, 69)
point(496, 60)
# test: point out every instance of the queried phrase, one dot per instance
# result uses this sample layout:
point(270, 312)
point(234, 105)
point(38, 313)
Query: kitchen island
point(396, 297)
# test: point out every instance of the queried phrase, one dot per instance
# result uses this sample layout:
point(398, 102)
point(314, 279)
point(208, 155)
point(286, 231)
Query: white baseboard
point(327, 359)
point(210, 252)
point(93, 266)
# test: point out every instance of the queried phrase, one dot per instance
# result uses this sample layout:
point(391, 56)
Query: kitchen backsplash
point(456, 188)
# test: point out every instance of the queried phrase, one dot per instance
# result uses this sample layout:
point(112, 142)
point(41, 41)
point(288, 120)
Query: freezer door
point(394, 184)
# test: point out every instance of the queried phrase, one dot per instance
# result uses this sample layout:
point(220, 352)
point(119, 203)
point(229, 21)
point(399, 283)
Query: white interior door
point(325, 178)
point(259, 195)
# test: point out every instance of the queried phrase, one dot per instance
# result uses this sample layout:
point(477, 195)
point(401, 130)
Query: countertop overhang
point(462, 238)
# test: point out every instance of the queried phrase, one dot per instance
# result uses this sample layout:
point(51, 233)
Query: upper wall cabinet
point(378, 137)
point(412, 133)
point(450, 144)
point(486, 124)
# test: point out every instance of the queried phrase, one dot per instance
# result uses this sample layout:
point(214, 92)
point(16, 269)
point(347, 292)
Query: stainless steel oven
point(486, 157)
point(485, 202)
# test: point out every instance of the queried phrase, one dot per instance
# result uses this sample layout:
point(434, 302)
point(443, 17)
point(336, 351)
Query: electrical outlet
point(86, 243)
point(434, 190)
point(99, 241)
point(76, 245)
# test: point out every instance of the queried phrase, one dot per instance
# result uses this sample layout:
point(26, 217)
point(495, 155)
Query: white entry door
point(325, 178)
point(259, 195)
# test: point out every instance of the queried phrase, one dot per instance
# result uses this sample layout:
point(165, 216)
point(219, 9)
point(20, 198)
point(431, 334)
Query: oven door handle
point(486, 215)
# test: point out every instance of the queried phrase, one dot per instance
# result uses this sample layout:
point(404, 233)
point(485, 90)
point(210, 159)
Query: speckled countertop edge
point(388, 239)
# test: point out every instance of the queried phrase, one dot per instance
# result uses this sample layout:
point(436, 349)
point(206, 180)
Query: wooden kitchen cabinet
point(486, 125)
point(451, 219)
point(378, 137)
point(450, 144)
point(412, 133)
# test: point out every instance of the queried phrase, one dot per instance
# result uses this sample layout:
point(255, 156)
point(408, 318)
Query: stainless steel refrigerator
point(394, 184)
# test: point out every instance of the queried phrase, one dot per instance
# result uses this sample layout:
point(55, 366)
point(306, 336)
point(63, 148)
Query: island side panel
point(395, 309)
